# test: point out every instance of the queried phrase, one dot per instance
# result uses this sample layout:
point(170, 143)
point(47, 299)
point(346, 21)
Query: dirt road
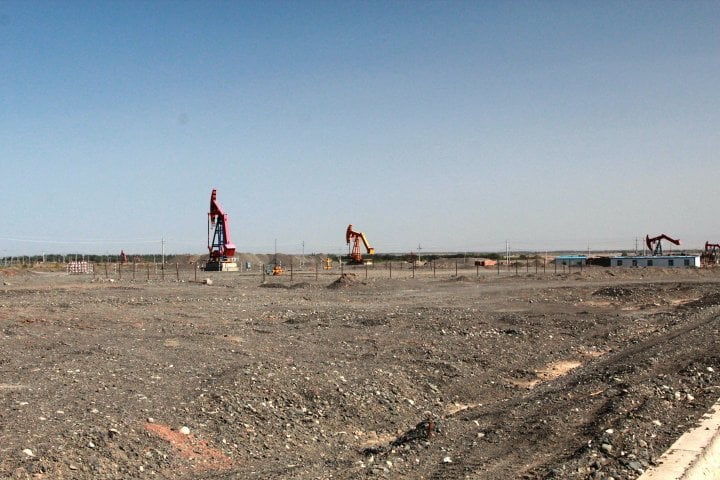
point(590, 375)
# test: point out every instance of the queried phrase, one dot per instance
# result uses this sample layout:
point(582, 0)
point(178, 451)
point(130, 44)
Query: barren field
point(589, 375)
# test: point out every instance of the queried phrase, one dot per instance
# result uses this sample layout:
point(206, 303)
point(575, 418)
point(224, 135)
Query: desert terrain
point(423, 375)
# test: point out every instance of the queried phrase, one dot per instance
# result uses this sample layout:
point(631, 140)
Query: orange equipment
point(355, 254)
point(654, 244)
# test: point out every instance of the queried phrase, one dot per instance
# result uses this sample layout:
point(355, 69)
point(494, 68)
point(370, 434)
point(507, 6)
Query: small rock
point(185, 430)
point(657, 423)
point(606, 447)
point(28, 452)
point(447, 460)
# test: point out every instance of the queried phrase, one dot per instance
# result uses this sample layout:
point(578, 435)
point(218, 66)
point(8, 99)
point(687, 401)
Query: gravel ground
point(589, 375)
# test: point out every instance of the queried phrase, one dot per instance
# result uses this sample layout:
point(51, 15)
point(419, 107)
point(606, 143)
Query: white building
point(665, 261)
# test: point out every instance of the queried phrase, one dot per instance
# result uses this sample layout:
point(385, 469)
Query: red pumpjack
point(711, 255)
point(355, 237)
point(222, 250)
point(654, 244)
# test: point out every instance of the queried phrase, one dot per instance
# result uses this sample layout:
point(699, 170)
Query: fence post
point(148, 272)
point(196, 271)
point(106, 274)
point(366, 268)
point(433, 268)
point(291, 270)
point(317, 265)
point(413, 269)
point(134, 270)
point(119, 271)
point(456, 268)
point(516, 268)
point(391, 269)
point(177, 271)
point(262, 267)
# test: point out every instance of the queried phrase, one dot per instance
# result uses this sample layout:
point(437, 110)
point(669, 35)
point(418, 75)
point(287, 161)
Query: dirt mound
point(346, 280)
point(613, 292)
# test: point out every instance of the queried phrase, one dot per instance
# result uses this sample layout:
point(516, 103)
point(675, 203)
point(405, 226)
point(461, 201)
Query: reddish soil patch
point(192, 448)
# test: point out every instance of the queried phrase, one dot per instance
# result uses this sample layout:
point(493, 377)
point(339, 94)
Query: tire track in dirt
point(583, 388)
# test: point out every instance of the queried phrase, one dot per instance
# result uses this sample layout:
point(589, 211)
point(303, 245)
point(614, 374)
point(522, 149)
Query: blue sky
point(454, 126)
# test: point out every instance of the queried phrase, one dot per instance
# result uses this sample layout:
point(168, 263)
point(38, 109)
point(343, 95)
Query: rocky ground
point(587, 375)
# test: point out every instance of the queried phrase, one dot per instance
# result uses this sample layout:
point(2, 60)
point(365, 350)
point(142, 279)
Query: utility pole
point(507, 253)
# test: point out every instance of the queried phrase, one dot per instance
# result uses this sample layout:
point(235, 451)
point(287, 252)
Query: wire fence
point(139, 271)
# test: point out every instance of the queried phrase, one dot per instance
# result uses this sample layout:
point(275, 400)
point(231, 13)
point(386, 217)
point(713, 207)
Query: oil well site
point(232, 366)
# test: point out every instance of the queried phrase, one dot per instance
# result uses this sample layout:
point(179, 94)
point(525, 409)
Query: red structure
point(654, 244)
point(220, 246)
point(355, 237)
point(711, 255)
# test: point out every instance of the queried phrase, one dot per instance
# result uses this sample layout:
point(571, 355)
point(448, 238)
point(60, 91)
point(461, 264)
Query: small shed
point(571, 260)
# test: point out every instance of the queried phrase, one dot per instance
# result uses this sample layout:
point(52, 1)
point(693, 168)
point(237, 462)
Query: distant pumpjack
point(654, 244)
point(711, 255)
point(222, 250)
point(356, 237)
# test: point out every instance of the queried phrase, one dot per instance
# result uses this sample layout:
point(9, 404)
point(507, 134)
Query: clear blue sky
point(451, 125)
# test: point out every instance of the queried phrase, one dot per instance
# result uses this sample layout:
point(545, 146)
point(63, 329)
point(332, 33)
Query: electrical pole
point(507, 253)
